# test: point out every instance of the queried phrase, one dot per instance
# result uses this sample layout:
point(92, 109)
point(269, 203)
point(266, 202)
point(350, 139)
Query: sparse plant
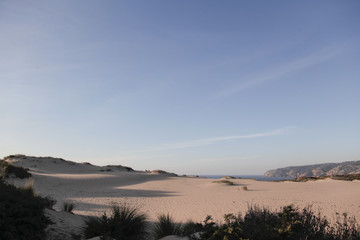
point(3, 172)
point(166, 226)
point(245, 188)
point(29, 186)
point(124, 223)
point(68, 207)
point(345, 228)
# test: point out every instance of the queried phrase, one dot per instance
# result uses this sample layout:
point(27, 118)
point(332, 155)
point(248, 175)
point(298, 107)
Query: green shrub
point(21, 213)
point(165, 226)
point(124, 223)
point(68, 207)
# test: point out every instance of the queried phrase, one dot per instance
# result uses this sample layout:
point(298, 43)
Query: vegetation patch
point(15, 156)
point(287, 224)
point(227, 182)
point(164, 172)
point(68, 207)
point(21, 213)
point(348, 177)
point(166, 226)
point(11, 170)
point(124, 223)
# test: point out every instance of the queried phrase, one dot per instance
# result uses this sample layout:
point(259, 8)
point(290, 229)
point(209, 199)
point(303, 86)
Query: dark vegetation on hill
point(349, 177)
point(15, 159)
point(325, 169)
point(289, 223)
point(7, 170)
point(129, 169)
point(22, 213)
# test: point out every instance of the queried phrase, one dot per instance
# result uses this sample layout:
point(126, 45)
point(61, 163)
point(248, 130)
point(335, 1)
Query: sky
point(191, 87)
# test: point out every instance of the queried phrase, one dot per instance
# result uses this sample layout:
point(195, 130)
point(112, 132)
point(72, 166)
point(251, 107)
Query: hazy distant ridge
point(324, 169)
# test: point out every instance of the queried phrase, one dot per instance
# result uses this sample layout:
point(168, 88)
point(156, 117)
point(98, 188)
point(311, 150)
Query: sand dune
point(94, 189)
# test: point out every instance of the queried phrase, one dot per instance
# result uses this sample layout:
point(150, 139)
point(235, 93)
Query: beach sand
point(94, 190)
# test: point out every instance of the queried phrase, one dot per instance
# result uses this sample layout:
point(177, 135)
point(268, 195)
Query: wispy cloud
point(281, 70)
point(214, 140)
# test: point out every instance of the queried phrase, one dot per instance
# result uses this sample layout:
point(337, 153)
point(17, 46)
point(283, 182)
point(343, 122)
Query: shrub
point(22, 156)
point(190, 228)
point(21, 214)
point(125, 223)
point(8, 170)
point(289, 223)
point(259, 223)
point(245, 188)
point(165, 226)
point(68, 207)
point(224, 181)
point(345, 228)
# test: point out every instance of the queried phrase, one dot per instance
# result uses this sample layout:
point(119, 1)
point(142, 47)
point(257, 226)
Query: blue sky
point(192, 87)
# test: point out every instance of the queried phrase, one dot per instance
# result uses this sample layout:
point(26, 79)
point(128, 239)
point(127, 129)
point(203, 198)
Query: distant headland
point(316, 170)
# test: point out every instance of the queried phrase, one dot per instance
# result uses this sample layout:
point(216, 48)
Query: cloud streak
point(281, 71)
point(214, 140)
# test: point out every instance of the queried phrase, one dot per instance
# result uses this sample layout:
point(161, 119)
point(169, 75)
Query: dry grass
point(29, 184)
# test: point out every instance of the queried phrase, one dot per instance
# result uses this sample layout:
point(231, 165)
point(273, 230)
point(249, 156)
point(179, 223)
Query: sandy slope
point(93, 189)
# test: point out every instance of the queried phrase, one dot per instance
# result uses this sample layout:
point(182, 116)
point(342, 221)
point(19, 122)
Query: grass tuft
point(68, 207)
point(29, 186)
point(166, 226)
point(124, 223)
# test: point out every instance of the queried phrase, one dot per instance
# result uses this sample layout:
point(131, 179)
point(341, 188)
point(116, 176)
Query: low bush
point(21, 213)
point(289, 223)
point(346, 177)
point(190, 228)
point(224, 181)
point(11, 170)
point(124, 223)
